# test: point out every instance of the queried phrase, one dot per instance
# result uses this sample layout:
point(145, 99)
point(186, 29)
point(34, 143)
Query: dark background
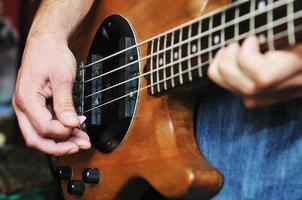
point(24, 173)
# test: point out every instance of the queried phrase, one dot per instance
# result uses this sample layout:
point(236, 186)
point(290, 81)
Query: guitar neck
point(182, 55)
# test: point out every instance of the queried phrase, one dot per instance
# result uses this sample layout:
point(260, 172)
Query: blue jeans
point(259, 152)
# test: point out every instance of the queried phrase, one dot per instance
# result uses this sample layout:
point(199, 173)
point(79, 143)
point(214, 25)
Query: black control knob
point(75, 187)
point(91, 175)
point(64, 172)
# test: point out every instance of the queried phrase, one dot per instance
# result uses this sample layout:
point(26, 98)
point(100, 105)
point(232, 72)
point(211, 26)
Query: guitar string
point(206, 33)
point(167, 32)
point(277, 36)
point(205, 51)
point(175, 75)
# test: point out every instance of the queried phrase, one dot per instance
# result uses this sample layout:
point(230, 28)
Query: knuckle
point(263, 81)
point(43, 130)
point(211, 72)
point(226, 66)
point(249, 91)
point(64, 78)
point(67, 104)
point(14, 102)
point(30, 143)
point(19, 97)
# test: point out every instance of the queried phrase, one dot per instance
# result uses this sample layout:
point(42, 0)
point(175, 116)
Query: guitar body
point(159, 149)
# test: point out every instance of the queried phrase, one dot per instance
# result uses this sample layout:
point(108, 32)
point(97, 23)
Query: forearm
point(59, 17)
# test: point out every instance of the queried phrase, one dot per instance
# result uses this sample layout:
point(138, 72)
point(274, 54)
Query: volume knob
point(91, 175)
point(64, 172)
point(76, 187)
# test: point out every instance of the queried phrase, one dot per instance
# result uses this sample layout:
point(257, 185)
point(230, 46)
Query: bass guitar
point(143, 65)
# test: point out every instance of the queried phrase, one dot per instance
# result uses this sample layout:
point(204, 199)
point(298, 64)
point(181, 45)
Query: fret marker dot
point(175, 55)
point(161, 61)
point(194, 48)
point(216, 39)
point(262, 38)
point(261, 5)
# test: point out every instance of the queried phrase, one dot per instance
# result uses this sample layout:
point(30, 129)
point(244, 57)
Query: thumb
point(63, 103)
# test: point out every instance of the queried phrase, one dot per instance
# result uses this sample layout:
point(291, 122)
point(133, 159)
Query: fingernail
point(82, 119)
point(70, 115)
point(86, 145)
point(73, 150)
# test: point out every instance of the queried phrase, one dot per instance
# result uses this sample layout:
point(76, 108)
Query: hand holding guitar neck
point(260, 79)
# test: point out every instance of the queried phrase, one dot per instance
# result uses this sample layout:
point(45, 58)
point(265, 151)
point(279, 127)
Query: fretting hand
point(260, 79)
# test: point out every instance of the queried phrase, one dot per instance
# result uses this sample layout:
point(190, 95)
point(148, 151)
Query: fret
point(270, 32)
point(261, 20)
point(157, 65)
point(164, 63)
point(176, 57)
point(185, 53)
point(204, 43)
point(189, 51)
point(222, 33)
point(297, 21)
point(151, 67)
point(236, 31)
point(252, 18)
point(216, 36)
point(180, 57)
point(168, 60)
point(210, 38)
point(172, 59)
point(199, 49)
point(194, 50)
point(290, 24)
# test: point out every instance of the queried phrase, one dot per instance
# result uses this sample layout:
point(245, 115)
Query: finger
point(287, 85)
point(282, 65)
point(79, 133)
point(62, 100)
point(251, 61)
point(34, 106)
point(81, 139)
point(231, 73)
point(45, 145)
point(269, 69)
point(213, 71)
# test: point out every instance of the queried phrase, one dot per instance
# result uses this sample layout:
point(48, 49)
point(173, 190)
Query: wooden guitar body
point(159, 148)
point(152, 143)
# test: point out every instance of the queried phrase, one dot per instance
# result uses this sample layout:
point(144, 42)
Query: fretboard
point(182, 55)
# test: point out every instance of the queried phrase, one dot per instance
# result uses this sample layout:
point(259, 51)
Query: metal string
point(206, 33)
point(164, 33)
point(277, 36)
point(259, 29)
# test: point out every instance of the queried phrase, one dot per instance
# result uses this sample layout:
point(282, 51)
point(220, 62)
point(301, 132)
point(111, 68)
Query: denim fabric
point(259, 152)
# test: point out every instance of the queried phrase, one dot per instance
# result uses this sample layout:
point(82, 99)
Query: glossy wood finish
point(160, 147)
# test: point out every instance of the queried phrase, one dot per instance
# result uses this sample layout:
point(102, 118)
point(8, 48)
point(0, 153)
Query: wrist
point(47, 36)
